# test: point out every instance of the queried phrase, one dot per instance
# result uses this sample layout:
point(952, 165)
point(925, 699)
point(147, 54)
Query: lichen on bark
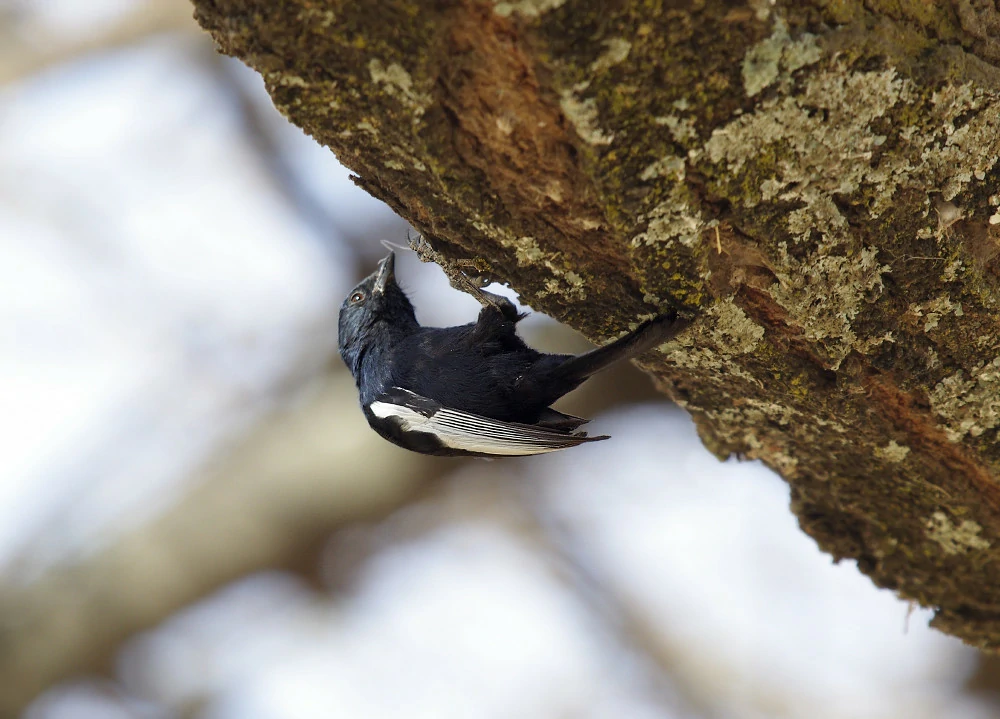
point(815, 184)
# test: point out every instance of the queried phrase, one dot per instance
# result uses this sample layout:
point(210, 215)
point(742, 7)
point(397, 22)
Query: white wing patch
point(473, 433)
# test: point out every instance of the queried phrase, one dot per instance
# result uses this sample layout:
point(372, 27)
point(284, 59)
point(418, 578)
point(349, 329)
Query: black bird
point(476, 389)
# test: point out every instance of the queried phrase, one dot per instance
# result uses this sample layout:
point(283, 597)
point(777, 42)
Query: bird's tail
point(646, 336)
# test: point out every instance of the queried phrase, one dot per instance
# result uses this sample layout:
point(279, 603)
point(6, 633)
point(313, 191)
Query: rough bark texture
point(814, 182)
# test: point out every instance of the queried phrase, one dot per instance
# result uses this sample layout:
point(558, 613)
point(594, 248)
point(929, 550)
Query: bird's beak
point(386, 274)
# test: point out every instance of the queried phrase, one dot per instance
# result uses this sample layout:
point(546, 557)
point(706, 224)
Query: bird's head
point(374, 310)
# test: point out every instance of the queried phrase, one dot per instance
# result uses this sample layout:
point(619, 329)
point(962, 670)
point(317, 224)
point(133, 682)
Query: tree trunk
point(814, 183)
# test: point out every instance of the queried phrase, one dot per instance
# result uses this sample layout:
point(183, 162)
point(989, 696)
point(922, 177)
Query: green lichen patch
point(932, 312)
point(955, 538)
point(670, 166)
point(715, 345)
point(833, 140)
point(526, 8)
point(677, 219)
point(775, 56)
point(736, 332)
point(582, 113)
point(561, 281)
point(969, 402)
point(398, 83)
point(824, 136)
point(824, 292)
point(617, 50)
point(892, 452)
point(682, 129)
point(600, 82)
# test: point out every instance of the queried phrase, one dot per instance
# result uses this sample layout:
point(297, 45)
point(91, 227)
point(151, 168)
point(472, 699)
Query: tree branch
point(781, 173)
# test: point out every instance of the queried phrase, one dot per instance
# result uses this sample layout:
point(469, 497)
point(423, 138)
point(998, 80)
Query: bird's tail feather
point(649, 334)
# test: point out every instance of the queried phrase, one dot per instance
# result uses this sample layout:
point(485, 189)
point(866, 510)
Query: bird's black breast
point(474, 367)
point(483, 368)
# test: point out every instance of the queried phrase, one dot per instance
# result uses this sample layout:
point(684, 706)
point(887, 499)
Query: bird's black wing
point(460, 432)
point(559, 421)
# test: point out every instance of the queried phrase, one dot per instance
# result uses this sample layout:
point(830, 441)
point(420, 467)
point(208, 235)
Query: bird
point(475, 389)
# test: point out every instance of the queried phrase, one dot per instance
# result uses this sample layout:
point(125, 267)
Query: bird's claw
point(479, 280)
point(423, 248)
point(462, 280)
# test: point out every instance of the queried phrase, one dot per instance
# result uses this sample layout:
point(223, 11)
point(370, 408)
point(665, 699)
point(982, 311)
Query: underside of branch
point(815, 184)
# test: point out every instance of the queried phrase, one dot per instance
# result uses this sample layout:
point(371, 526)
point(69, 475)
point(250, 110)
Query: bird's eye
point(357, 297)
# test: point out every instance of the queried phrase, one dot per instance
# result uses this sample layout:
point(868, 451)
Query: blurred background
point(196, 521)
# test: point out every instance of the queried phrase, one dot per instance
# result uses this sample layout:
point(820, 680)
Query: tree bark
point(814, 183)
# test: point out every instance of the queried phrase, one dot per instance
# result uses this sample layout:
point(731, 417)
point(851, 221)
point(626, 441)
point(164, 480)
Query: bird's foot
point(469, 276)
point(423, 248)
point(474, 286)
